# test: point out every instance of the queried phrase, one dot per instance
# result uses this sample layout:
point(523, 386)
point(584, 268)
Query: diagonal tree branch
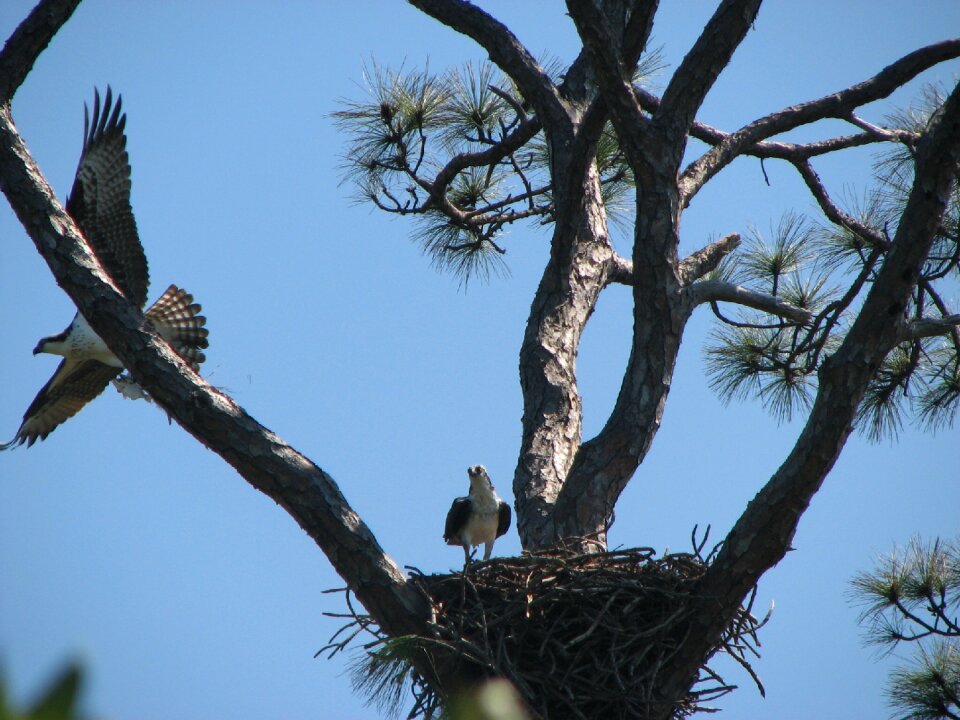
point(763, 534)
point(708, 291)
point(506, 51)
point(637, 32)
point(833, 213)
point(691, 268)
point(835, 105)
point(612, 77)
point(28, 41)
point(304, 490)
point(699, 263)
point(699, 70)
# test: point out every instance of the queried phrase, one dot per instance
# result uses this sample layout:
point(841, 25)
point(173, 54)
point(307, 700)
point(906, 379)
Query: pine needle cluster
point(912, 595)
point(826, 268)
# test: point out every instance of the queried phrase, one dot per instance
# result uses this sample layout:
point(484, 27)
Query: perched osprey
point(99, 204)
point(478, 519)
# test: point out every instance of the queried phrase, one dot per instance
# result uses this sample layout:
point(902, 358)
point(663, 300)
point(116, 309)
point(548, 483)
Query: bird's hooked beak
point(44, 345)
point(479, 472)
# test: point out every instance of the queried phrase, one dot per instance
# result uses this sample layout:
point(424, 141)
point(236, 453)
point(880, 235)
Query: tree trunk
point(578, 270)
point(605, 464)
point(564, 488)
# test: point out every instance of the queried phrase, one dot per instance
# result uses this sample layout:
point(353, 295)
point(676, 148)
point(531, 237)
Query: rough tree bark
point(564, 487)
point(762, 535)
point(304, 490)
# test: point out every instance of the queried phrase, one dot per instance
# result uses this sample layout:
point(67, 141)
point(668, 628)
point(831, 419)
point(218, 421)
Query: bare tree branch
point(691, 268)
point(716, 290)
point(764, 149)
point(505, 50)
point(804, 151)
point(939, 303)
point(894, 135)
point(494, 154)
point(833, 212)
point(613, 78)
point(260, 456)
point(28, 41)
point(621, 271)
point(930, 327)
point(706, 259)
point(836, 105)
point(762, 535)
point(699, 70)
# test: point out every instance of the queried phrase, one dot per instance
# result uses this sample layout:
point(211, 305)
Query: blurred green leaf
point(494, 700)
point(59, 700)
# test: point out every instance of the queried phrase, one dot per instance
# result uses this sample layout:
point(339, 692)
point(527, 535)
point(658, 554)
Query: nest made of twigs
point(579, 635)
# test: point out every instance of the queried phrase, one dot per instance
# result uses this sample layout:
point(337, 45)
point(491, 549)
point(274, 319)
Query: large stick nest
point(579, 635)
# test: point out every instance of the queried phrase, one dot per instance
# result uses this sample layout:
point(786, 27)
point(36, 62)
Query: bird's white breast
point(482, 526)
point(82, 343)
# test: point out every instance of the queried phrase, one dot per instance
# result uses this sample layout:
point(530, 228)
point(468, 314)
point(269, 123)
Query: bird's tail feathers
point(178, 319)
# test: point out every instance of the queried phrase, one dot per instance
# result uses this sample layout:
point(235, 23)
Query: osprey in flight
point(479, 518)
point(99, 204)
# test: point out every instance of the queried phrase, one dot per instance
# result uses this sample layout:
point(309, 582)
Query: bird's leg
point(466, 554)
point(487, 549)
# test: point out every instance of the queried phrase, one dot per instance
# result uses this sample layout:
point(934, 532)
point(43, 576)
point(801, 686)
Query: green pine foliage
point(463, 153)
point(825, 268)
point(913, 596)
point(473, 124)
point(411, 125)
point(930, 689)
point(383, 674)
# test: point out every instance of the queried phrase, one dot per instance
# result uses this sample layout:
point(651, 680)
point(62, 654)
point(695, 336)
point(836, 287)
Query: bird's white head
point(54, 345)
point(478, 476)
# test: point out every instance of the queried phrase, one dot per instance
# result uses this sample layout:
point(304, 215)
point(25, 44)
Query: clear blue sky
point(188, 594)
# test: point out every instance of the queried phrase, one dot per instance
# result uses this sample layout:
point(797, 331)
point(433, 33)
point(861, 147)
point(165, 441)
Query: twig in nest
point(579, 635)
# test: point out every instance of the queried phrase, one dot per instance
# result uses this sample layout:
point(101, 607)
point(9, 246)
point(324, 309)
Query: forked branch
point(762, 535)
point(836, 105)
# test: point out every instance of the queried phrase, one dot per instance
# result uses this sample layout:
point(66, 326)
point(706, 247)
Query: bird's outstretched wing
point(456, 520)
point(100, 199)
point(72, 386)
